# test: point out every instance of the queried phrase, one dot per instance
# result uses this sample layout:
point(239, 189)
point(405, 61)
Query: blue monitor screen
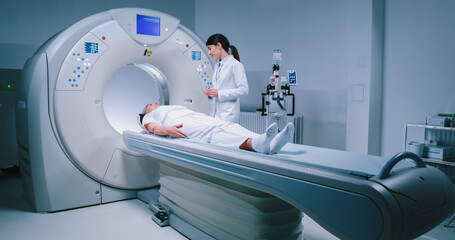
point(147, 25)
point(91, 47)
point(196, 55)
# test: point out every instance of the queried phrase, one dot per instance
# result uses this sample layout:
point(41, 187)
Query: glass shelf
point(421, 125)
point(438, 161)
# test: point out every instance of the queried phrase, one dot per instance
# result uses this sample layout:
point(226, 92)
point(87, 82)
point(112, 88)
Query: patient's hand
point(174, 131)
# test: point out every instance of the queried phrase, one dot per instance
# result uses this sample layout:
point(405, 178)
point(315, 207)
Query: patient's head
point(150, 107)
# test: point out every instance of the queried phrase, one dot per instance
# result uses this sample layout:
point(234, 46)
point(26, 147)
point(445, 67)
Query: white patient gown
point(200, 127)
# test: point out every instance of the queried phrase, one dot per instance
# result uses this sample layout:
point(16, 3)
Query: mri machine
point(80, 144)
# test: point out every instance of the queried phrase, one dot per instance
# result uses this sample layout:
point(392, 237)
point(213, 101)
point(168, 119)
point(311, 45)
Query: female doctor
point(229, 79)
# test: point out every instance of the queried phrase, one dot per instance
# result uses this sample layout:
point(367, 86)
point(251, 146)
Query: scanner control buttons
point(202, 71)
point(82, 64)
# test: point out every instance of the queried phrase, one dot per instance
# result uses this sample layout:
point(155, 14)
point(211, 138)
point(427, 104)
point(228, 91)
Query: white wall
point(365, 76)
point(26, 24)
point(409, 65)
point(313, 36)
point(316, 39)
point(419, 65)
point(330, 45)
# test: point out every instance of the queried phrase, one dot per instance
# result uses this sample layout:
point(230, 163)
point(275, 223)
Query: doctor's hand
point(174, 131)
point(211, 92)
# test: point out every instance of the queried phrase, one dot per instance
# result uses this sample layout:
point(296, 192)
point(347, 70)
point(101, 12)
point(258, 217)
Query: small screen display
point(91, 47)
point(147, 25)
point(196, 55)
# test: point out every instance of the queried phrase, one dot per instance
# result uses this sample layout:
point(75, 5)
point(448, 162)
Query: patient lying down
point(180, 122)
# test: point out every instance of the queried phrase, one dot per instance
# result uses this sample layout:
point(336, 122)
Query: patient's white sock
point(262, 143)
point(281, 138)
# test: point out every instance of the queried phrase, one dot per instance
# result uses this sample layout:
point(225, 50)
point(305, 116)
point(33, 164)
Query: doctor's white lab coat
point(231, 82)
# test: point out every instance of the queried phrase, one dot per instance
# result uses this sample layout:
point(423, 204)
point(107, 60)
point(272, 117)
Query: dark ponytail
point(220, 38)
point(235, 53)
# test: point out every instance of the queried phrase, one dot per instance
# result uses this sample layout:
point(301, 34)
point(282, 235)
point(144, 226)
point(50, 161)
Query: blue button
point(74, 80)
point(205, 73)
point(78, 76)
point(78, 67)
point(83, 59)
point(69, 80)
point(205, 80)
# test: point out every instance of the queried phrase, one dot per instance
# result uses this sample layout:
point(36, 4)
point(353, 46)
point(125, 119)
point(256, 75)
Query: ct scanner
point(86, 85)
point(80, 144)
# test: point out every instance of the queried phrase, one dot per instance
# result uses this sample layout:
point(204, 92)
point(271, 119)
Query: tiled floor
point(129, 219)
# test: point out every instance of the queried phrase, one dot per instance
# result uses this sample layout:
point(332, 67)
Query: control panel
point(79, 62)
point(9, 79)
point(292, 77)
point(201, 64)
point(8, 86)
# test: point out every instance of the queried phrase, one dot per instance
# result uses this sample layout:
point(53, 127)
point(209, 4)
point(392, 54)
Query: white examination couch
point(351, 195)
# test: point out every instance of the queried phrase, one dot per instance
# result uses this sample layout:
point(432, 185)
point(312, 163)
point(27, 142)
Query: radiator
point(257, 123)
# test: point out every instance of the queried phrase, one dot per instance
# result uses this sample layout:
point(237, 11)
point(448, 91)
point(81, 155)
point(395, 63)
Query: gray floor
point(130, 219)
